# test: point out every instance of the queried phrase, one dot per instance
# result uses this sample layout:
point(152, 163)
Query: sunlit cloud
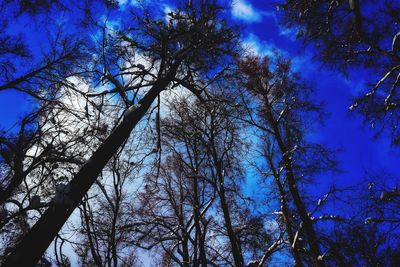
point(122, 2)
point(253, 45)
point(290, 33)
point(167, 11)
point(243, 10)
point(135, 3)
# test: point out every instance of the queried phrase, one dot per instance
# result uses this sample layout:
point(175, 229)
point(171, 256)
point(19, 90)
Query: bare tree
point(47, 153)
point(190, 206)
point(190, 44)
point(282, 104)
point(105, 215)
point(210, 133)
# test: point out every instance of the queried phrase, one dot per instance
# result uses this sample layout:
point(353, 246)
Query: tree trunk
point(298, 202)
point(286, 218)
point(29, 251)
point(233, 239)
point(235, 245)
point(236, 250)
point(197, 216)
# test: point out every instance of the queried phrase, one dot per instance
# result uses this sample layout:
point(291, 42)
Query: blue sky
point(361, 155)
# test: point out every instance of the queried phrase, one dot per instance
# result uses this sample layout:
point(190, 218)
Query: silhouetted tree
point(105, 234)
point(191, 43)
point(282, 112)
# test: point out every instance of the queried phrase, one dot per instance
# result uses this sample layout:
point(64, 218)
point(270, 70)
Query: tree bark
point(286, 218)
point(298, 202)
point(29, 251)
point(197, 216)
point(235, 245)
point(233, 238)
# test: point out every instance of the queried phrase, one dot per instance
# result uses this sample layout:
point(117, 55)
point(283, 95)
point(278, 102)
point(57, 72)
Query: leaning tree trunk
point(29, 251)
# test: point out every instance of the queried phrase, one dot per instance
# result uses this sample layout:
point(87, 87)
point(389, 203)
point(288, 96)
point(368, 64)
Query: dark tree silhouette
point(193, 201)
point(189, 45)
point(284, 105)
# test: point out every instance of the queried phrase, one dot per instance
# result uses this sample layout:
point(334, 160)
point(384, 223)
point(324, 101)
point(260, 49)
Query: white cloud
point(253, 45)
point(134, 3)
point(122, 2)
point(243, 10)
point(305, 64)
point(301, 62)
point(167, 10)
point(138, 3)
point(289, 33)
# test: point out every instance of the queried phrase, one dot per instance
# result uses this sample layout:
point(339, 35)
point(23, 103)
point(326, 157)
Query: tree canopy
point(164, 135)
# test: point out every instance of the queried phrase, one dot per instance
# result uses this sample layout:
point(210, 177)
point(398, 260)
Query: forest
point(167, 133)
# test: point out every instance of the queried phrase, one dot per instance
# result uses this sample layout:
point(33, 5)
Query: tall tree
point(191, 43)
point(188, 189)
point(216, 135)
point(282, 104)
